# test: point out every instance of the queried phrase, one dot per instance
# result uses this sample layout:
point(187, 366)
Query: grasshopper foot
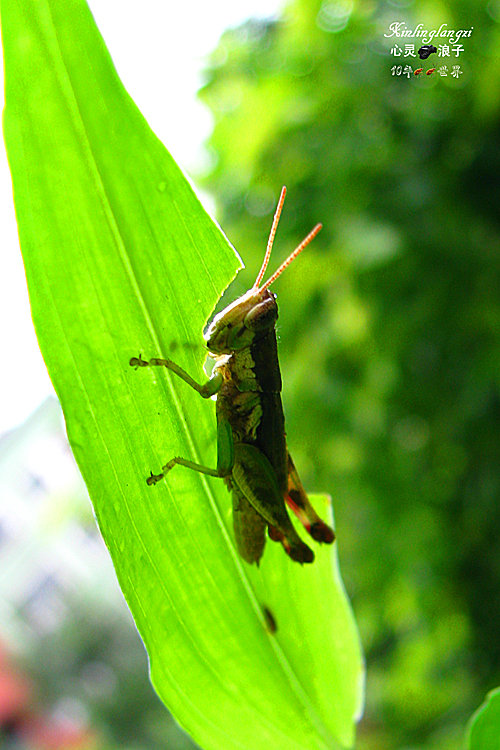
point(321, 532)
point(301, 553)
point(154, 479)
point(138, 362)
point(297, 550)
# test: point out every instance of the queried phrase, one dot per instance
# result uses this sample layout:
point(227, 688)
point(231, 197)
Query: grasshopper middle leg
point(218, 473)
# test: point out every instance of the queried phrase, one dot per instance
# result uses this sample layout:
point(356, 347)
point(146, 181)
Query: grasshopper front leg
point(206, 390)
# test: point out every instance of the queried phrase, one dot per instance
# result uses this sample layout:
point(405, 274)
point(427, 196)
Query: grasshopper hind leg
point(298, 502)
point(254, 478)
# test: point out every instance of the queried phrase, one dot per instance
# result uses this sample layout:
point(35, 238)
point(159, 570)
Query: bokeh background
point(390, 352)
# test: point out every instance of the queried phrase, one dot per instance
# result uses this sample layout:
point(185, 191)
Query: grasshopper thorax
point(252, 315)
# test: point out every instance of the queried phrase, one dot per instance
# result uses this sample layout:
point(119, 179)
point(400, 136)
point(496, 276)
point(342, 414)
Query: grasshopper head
point(252, 315)
point(237, 326)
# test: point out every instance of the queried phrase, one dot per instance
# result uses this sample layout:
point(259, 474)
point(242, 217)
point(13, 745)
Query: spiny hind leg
point(298, 502)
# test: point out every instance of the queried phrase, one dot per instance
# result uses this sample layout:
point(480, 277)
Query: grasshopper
point(252, 455)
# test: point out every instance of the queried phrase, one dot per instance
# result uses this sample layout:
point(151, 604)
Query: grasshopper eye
point(263, 315)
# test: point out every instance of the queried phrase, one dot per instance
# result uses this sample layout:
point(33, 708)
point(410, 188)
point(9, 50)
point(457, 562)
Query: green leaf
point(121, 259)
point(484, 727)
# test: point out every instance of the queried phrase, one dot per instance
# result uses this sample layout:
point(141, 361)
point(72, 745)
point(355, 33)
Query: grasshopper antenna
point(270, 241)
point(312, 234)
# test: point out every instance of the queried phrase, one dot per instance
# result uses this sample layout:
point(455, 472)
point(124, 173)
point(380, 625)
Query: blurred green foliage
point(389, 323)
